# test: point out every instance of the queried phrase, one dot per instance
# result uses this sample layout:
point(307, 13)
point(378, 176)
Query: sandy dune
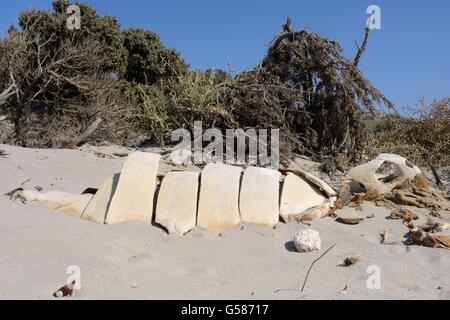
point(136, 260)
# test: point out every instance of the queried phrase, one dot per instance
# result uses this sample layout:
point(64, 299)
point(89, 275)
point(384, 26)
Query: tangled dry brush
point(58, 81)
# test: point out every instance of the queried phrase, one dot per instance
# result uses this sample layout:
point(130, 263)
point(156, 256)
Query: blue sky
point(407, 59)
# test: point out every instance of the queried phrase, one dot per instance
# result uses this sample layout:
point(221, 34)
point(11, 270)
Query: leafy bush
point(51, 27)
point(148, 59)
point(64, 78)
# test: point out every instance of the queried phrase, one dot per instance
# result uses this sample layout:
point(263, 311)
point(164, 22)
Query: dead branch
point(312, 93)
point(6, 94)
point(85, 134)
point(361, 49)
point(307, 274)
point(288, 26)
point(436, 176)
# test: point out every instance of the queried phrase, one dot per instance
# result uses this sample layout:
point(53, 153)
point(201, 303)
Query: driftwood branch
point(362, 48)
point(312, 264)
point(6, 94)
point(307, 274)
point(86, 133)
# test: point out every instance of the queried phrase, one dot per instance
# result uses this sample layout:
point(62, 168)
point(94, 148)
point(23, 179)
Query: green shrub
point(148, 60)
point(51, 27)
point(65, 79)
point(178, 102)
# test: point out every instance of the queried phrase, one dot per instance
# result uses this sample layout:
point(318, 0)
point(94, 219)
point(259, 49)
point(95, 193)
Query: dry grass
point(423, 136)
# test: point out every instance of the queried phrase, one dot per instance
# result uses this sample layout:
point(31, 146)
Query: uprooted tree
point(306, 87)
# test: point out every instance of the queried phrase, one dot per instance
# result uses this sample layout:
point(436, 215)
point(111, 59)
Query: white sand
point(135, 260)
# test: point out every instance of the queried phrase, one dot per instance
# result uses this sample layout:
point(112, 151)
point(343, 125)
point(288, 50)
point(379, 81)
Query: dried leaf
point(421, 238)
point(358, 200)
point(421, 181)
point(90, 191)
point(406, 215)
point(416, 237)
point(349, 261)
point(429, 241)
point(443, 240)
point(345, 197)
point(411, 226)
point(65, 291)
point(304, 218)
point(16, 194)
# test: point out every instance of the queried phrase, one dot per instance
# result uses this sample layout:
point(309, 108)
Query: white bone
point(97, 209)
point(298, 196)
point(259, 197)
point(133, 199)
point(219, 197)
point(329, 191)
point(68, 203)
point(176, 207)
point(366, 173)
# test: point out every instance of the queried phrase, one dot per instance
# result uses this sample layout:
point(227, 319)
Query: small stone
point(307, 240)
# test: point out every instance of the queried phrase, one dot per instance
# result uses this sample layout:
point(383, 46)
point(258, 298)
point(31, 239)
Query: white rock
point(307, 240)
